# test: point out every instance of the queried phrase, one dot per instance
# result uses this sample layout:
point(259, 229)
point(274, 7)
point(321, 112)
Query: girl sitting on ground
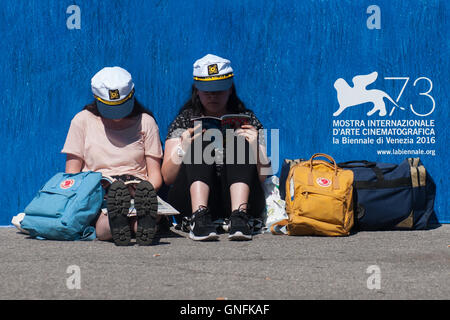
point(224, 189)
point(118, 137)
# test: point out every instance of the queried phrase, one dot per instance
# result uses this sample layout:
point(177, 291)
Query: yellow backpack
point(319, 199)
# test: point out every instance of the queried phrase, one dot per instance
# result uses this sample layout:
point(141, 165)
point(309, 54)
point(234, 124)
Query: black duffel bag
point(390, 196)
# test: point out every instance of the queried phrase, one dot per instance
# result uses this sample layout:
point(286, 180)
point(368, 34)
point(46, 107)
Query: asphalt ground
point(366, 265)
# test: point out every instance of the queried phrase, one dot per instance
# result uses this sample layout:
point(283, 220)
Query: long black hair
point(138, 109)
point(234, 104)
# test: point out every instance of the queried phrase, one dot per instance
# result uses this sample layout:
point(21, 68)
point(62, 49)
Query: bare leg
point(199, 194)
point(133, 224)
point(239, 193)
point(102, 228)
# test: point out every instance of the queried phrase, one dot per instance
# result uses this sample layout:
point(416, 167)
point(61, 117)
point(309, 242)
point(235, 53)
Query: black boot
point(146, 204)
point(118, 204)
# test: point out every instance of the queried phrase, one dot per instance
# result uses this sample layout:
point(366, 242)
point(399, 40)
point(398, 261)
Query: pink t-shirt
point(113, 152)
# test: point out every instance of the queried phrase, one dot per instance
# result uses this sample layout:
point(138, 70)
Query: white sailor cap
point(213, 73)
point(113, 89)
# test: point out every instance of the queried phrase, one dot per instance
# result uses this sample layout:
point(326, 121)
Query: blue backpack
point(390, 196)
point(65, 207)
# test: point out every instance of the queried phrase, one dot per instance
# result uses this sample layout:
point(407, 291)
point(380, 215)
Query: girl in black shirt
point(205, 191)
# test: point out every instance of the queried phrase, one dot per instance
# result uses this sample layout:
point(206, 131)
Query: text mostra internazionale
point(384, 127)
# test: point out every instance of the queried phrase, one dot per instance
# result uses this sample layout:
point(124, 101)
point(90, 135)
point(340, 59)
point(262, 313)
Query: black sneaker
point(146, 204)
point(239, 226)
point(118, 205)
point(201, 227)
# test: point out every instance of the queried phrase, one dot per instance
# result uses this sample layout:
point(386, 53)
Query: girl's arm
point(171, 163)
point(263, 164)
point(74, 164)
point(172, 160)
point(264, 167)
point(154, 171)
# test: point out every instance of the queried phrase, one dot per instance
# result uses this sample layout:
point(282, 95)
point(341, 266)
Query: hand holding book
point(249, 132)
point(189, 136)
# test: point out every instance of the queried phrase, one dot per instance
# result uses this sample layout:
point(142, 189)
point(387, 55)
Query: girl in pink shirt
point(116, 136)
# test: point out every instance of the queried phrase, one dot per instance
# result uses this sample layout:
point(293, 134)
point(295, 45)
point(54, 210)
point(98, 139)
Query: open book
point(228, 121)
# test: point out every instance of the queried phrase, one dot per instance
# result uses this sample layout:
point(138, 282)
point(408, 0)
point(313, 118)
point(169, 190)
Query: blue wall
point(286, 55)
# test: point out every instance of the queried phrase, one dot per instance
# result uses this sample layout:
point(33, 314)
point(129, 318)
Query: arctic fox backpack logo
point(358, 94)
point(323, 182)
point(66, 184)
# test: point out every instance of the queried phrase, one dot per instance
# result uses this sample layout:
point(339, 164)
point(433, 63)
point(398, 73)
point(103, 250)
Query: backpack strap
point(356, 164)
point(333, 165)
point(88, 234)
point(276, 227)
point(418, 173)
point(288, 181)
point(422, 175)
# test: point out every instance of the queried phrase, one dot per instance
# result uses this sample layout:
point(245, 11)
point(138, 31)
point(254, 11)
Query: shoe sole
point(239, 236)
point(146, 204)
point(211, 237)
point(118, 204)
